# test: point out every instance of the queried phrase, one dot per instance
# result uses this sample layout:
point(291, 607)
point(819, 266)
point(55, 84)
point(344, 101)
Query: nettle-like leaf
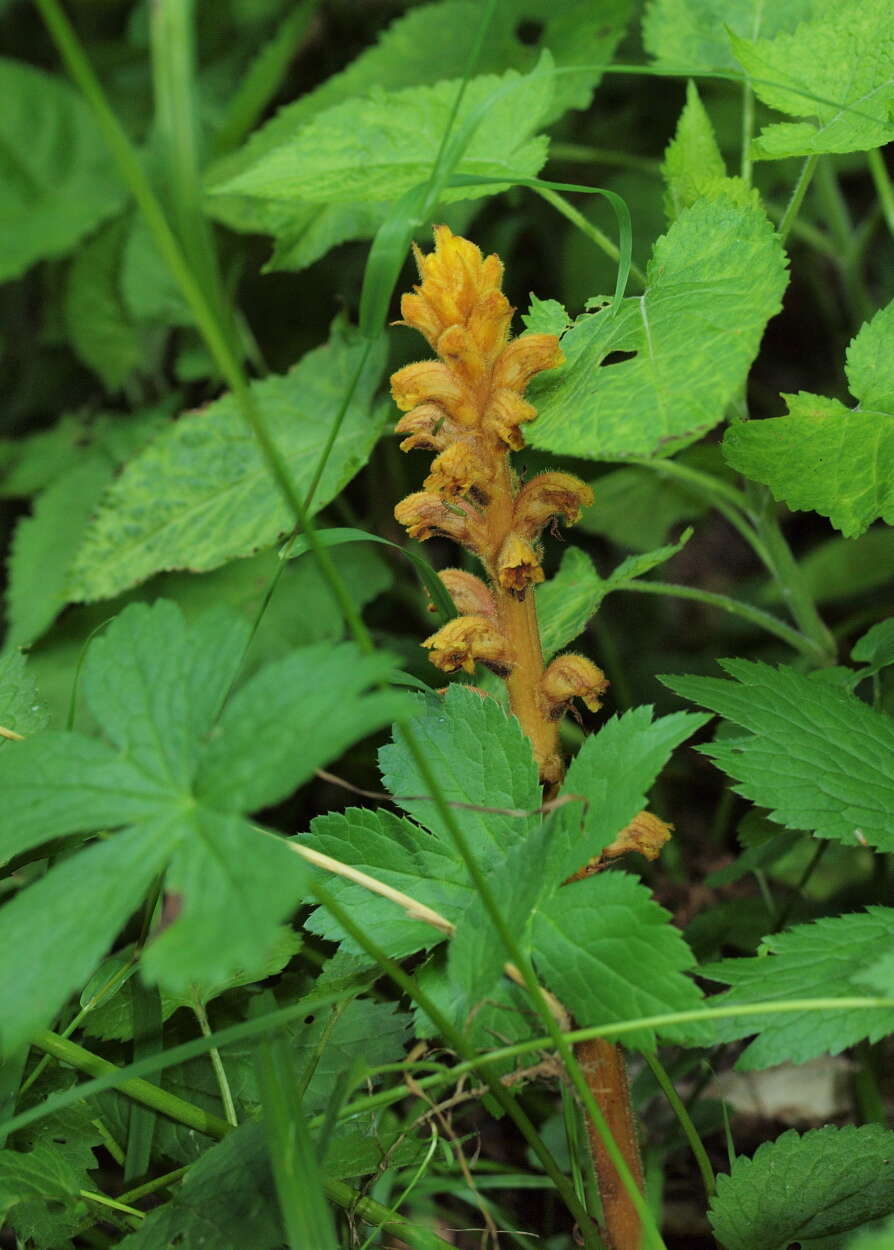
point(381, 146)
point(21, 710)
point(200, 494)
point(806, 1189)
point(482, 758)
point(96, 318)
point(836, 71)
point(569, 599)
point(693, 163)
point(58, 182)
point(693, 33)
point(426, 45)
point(714, 281)
point(176, 774)
point(824, 456)
point(816, 756)
point(830, 958)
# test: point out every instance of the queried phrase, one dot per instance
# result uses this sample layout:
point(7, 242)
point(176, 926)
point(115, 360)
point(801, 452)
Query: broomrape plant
point(313, 938)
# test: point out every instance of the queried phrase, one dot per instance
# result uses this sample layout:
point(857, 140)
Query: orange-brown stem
point(603, 1066)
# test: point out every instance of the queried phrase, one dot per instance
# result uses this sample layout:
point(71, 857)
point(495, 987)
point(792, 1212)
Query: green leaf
point(815, 755)
point(481, 757)
point(637, 507)
point(316, 697)
point(612, 774)
point(805, 1188)
point(381, 146)
point(836, 71)
point(567, 601)
point(879, 1238)
point(156, 686)
point(694, 32)
point(41, 1174)
point(95, 315)
point(201, 493)
point(228, 1194)
point(58, 182)
point(20, 707)
point(845, 456)
point(611, 954)
point(876, 647)
point(827, 959)
point(713, 282)
point(149, 291)
point(692, 160)
point(403, 856)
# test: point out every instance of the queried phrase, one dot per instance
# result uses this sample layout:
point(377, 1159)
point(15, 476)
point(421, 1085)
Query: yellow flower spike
point(429, 381)
point(424, 515)
point(518, 566)
point(505, 413)
point(428, 428)
point(571, 677)
point(458, 470)
point(550, 495)
point(460, 354)
point(469, 594)
point(467, 640)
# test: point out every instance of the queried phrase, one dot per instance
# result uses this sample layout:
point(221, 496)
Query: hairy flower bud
point(518, 565)
point(645, 834)
point(505, 412)
point(525, 356)
point(550, 495)
point(466, 640)
point(429, 381)
point(456, 282)
point(458, 470)
point(461, 355)
point(469, 593)
point(571, 677)
point(427, 427)
point(425, 515)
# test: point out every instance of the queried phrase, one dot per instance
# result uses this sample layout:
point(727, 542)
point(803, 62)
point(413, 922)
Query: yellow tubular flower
point(466, 640)
point(572, 677)
point(547, 496)
point(470, 595)
point(518, 566)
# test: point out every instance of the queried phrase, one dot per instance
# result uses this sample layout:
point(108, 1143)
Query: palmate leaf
point(200, 493)
point(823, 456)
point(57, 181)
point(381, 146)
point(481, 757)
point(714, 281)
point(816, 756)
point(157, 688)
point(844, 57)
point(806, 1189)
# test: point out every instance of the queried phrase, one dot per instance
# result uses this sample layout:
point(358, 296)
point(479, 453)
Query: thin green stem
point(841, 225)
point(143, 1092)
point(801, 229)
point(685, 1119)
point(583, 153)
point(869, 1095)
point(220, 1073)
point(797, 197)
point(809, 869)
point(456, 1039)
point(587, 227)
point(735, 607)
point(713, 488)
point(747, 129)
point(153, 1186)
point(883, 187)
point(112, 1203)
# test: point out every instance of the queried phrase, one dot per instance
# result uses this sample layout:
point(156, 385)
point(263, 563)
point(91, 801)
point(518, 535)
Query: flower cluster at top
point(468, 407)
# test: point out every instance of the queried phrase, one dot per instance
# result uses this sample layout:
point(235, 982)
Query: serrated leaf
point(815, 755)
point(844, 57)
point(611, 954)
point(875, 648)
point(380, 146)
point(694, 32)
point(611, 774)
point(844, 456)
point(20, 707)
point(201, 493)
point(713, 282)
point(58, 182)
point(96, 319)
point(829, 958)
point(805, 1188)
point(480, 757)
point(157, 686)
point(692, 159)
point(403, 856)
